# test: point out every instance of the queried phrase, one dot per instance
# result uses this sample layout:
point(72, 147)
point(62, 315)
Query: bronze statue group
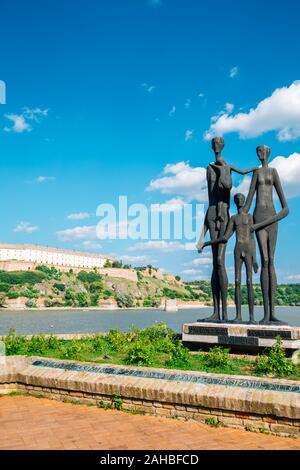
point(263, 223)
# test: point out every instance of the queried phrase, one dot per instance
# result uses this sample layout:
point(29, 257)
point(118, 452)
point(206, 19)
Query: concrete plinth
point(240, 336)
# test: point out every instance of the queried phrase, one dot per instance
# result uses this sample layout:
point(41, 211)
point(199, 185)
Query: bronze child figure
point(245, 252)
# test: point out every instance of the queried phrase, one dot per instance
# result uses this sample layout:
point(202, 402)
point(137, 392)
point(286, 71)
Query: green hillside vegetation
point(52, 288)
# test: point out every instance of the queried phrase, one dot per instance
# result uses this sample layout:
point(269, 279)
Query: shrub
point(98, 343)
point(180, 355)
point(217, 358)
point(2, 300)
point(88, 277)
point(274, 362)
point(117, 340)
point(94, 299)
point(14, 344)
point(37, 344)
point(140, 353)
point(124, 300)
point(151, 302)
point(21, 277)
point(4, 287)
point(30, 303)
point(59, 286)
point(82, 299)
point(73, 350)
point(96, 287)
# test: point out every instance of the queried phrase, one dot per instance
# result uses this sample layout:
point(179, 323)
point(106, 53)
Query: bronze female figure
point(266, 226)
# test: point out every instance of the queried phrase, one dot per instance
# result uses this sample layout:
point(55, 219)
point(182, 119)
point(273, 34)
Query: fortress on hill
point(25, 257)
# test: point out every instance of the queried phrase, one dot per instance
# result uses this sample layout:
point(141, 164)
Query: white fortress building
point(24, 257)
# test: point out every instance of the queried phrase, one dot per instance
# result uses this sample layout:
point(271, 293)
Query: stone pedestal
point(241, 337)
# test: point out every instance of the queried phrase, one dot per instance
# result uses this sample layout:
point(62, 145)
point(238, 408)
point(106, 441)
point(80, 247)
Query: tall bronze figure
point(266, 226)
point(219, 182)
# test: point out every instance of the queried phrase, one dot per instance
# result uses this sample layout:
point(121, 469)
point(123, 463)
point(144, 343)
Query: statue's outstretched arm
point(242, 172)
point(228, 234)
point(251, 193)
point(285, 210)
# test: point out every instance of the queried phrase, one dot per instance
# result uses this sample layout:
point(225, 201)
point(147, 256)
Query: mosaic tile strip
point(206, 380)
point(207, 330)
point(284, 334)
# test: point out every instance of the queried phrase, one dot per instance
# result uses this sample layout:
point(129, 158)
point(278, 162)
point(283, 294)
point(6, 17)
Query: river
point(85, 321)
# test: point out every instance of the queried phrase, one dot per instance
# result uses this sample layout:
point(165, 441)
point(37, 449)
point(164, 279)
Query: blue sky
point(102, 96)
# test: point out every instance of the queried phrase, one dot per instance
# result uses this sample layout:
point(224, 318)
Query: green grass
point(156, 346)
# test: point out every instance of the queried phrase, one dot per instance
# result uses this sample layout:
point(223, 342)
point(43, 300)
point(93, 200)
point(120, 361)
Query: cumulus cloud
point(20, 122)
point(87, 232)
point(229, 107)
point(279, 112)
point(25, 227)
point(183, 180)
point(189, 183)
point(79, 216)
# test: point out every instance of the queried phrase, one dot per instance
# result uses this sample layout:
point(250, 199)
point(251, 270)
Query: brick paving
point(38, 423)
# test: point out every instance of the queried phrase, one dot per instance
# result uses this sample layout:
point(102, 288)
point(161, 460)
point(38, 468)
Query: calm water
point(74, 321)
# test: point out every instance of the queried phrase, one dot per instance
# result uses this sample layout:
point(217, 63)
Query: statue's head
point(263, 153)
point(239, 200)
point(217, 144)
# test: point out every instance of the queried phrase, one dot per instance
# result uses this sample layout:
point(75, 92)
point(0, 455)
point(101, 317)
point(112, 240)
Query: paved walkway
point(36, 423)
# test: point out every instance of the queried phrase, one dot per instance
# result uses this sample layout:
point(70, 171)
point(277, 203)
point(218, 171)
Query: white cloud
point(90, 245)
point(44, 179)
point(207, 261)
point(183, 180)
point(201, 95)
point(87, 232)
point(148, 88)
point(35, 114)
point(79, 216)
point(229, 107)
point(233, 72)
point(279, 112)
point(26, 227)
point(173, 111)
point(293, 277)
point(188, 135)
point(20, 121)
point(172, 205)
point(160, 246)
point(191, 272)
point(19, 124)
point(136, 259)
